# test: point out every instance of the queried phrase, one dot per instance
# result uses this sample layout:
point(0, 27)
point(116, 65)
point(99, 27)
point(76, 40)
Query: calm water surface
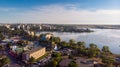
point(101, 37)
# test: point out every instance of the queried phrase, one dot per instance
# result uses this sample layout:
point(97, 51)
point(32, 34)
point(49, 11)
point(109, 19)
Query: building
point(48, 36)
point(31, 33)
point(35, 53)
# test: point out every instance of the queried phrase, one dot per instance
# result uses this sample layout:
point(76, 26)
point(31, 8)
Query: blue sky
point(60, 11)
point(85, 3)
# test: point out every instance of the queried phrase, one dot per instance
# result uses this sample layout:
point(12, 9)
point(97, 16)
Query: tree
point(1, 36)
point(81, 51)
point(57, 40)
point(106, 50)
point(57, 59)
point(107, 60)
point(72, 42)
point(1, 47)
point(93, 50)
point(64, 44)
point(31, 60)
point(53, 63)
point(81, 48)
point(4, 61)
point(8, 45)
point(20, 43)
point(81, 44)
point(73, 64)
point(93, 45)
point(56, 54)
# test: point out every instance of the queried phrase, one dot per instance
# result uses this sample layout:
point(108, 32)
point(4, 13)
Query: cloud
point(68, 14)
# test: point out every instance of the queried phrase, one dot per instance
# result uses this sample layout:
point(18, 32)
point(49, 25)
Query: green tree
point(93, 50)
point(81, 44)
point(64, 44)
point(57, 40)
point(31, 60)
point(57, 59)
point(1, 47)
point(5, 61)
point(1, 36)
point(53, 63)
point(81, 51)
point(93, 45)
point(81, 48)
point(107, 60)
point(106, 49)
point(8, 45)
point(73, 64)
point(72, 42)
point(56, 54)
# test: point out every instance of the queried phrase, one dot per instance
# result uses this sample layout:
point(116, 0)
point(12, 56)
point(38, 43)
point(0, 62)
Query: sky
point(60, 11)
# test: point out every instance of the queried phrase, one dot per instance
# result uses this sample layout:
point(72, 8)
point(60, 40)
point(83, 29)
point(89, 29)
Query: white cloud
point(69, 14)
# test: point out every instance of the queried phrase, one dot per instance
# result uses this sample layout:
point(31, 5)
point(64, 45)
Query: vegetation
point(64, 44)
point(93, 50)
point(1, 36)
point(106, 50)
point(57, 40)
point(55, 54)
point(31, 60)
point(4, 61)
point(8, 45)
point(56, 58)
point(108, 61)
point(53, 63)
point(72, 42)
point(73, 64)
point(1, 47)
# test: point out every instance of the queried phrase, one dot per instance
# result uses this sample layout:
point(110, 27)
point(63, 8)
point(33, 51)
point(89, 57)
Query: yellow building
point(31, 33)
point(35, 53)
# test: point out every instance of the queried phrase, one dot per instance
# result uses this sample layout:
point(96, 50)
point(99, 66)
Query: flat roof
point(33, 50)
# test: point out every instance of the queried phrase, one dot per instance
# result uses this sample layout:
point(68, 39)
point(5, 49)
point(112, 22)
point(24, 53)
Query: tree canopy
point(73, 64)
point(4, 61)
point(32, 60)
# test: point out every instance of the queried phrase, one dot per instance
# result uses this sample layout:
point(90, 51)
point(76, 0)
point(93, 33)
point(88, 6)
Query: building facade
point(35, 53)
